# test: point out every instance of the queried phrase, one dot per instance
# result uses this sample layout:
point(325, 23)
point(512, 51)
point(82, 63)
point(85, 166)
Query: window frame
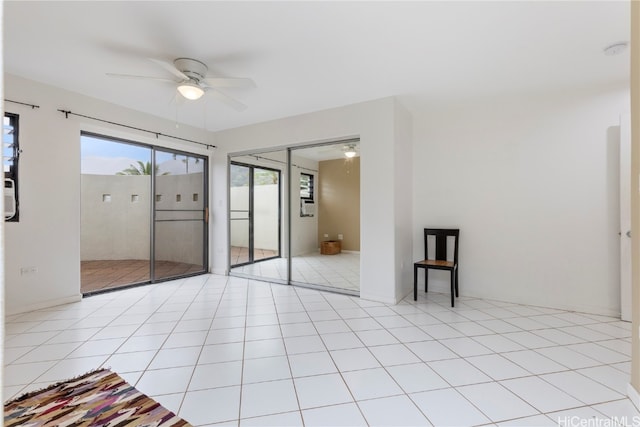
point(14, 121)
point(311, 180)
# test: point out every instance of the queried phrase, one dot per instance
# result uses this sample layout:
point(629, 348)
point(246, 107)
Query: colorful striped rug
point(99, 398)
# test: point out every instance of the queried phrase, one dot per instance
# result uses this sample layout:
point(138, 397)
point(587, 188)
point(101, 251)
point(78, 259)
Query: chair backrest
point(441, 236)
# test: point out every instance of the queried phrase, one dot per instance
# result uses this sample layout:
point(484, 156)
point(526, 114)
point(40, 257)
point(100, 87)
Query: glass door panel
point(241, 250)
point(325, 217)
point(318, 216)
point(256, 216)
point(266, 213)
point(180, 214)
point(115, 214)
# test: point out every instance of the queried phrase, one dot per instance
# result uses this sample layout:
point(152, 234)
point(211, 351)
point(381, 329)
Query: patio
point(111, 274)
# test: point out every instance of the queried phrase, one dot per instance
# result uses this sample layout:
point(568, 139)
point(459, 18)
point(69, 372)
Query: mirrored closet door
point(294, 216)
point(325, 216)
point(256, 215)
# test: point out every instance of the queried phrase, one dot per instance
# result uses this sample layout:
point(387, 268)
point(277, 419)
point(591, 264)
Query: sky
point(103, 157)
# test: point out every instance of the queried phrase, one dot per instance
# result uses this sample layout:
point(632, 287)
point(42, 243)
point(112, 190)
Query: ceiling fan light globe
point(350, 153)
point(190, 91)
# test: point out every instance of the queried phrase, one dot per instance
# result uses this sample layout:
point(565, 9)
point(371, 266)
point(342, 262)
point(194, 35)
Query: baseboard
point(633, 395)
point(377, 298)
point(444, 288)
point(41, 305)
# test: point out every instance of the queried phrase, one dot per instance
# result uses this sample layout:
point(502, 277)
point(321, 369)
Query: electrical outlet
point(24, 271)
point(326, 236)
point(340, 237)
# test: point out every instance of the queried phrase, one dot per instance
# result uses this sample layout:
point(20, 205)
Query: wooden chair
point(440, 262)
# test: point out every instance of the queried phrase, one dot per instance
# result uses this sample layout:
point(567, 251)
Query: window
point(306, 187)
point(10, 154)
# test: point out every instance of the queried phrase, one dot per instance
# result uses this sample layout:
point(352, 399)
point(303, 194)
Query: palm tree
point(141, 169)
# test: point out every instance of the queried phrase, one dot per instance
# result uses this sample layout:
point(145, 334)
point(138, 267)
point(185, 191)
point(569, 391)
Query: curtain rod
point(33, 106)
point(157, 134)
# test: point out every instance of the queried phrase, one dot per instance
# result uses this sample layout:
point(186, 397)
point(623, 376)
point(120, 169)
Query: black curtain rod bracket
point(157, 134)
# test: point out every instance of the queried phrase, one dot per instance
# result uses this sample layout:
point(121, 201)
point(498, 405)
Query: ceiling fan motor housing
point(191, 68)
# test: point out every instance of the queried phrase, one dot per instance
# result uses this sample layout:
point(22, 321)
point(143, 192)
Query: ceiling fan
point(349, 150)
point(193, 82)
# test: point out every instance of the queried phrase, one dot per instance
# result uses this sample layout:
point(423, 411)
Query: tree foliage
point(240, 176)
point(141, 168)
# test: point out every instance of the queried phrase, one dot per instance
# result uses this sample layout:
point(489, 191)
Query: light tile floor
point(340, 271)
point(230, 351)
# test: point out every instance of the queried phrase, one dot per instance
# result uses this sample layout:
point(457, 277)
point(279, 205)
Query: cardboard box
point(330, 247)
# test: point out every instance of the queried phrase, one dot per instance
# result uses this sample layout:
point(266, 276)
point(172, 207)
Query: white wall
point(531, 182)
point(48, 234)
point(403, 202)
point(267, 208)
point(265, 233)
point(304, 229)
point(2, 246)
point(120, 228)
point(180, 241)
point(533, 185)
point(373, 122)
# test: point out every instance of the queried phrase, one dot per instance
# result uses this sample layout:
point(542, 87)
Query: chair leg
point(426, 280)
point(453, 278)
point(415, 282)
point(457, 282)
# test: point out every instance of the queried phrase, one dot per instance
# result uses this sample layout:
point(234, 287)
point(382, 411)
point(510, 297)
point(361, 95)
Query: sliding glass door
point(144, 214)
point(115, 207)
point(266, 213)
point(239, 202)
point(180, 214)
point(255, 200)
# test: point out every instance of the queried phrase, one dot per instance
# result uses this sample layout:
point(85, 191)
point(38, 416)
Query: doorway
point(144, 213)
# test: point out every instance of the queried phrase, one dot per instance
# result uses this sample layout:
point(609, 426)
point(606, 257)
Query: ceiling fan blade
point(225, 99)
point(170, 68)
point(229, 82)
point(131, 76)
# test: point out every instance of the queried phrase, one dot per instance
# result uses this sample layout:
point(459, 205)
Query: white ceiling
point(308, 56)
point(327, 152)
